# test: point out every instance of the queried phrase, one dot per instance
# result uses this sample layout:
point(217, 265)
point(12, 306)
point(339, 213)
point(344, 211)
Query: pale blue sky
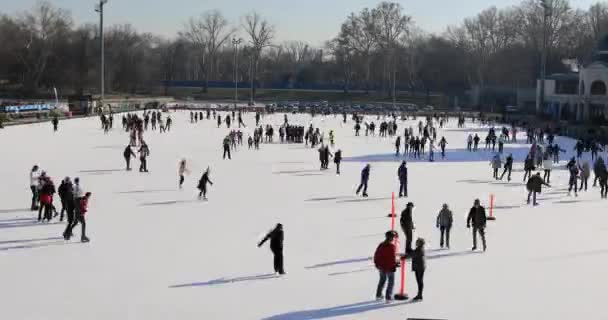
point(309, 20)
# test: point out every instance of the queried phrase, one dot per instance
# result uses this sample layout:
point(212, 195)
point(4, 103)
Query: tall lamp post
point(546, 6)
point(99, 9)
point(236, 43)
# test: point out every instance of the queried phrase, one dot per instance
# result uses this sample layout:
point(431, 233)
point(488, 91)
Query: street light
point(546, 5)
point(236, 43)
point(99, 9)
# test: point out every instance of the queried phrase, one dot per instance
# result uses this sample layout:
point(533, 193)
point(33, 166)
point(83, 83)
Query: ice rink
point(157, 252)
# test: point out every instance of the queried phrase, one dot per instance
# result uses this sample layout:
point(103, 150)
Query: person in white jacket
point(34, 184)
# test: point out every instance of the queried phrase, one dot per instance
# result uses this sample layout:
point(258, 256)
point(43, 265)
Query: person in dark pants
point(407, 225)
point(573, 181)
point(364, 180)
point(55, 123)
point(445, 220)
point(337, 160)
point(384, 260)
point(477, 216)
point(202, 184)
point(67, 200)
point(34, 183)
point(508, 167)
point(226, 145)
point(82, 210)
point(66, 194)
point(402, 174)
point(127, 154)
point(276, 237)
point(419, 266)
point(144, 152)
point(528, 167)
point(534, 186)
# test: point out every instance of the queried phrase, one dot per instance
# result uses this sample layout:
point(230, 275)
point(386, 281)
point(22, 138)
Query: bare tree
point(40, 30)
point(361, 32)
point(260, 33)
point(393, 24)
point(217, 28)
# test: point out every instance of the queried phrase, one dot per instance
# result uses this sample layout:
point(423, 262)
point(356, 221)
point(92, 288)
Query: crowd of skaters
point(75, 201)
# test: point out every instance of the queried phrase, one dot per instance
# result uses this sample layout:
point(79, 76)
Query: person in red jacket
point(386, 263)
point(83, 208)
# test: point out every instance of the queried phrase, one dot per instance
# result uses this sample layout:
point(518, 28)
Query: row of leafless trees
point(375, 49)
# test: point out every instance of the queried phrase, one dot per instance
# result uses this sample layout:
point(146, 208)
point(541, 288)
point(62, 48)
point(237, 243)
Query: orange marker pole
point(491, 217)
point(402, 295)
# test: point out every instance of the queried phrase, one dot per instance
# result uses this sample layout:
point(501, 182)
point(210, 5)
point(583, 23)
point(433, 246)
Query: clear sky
point(313, 21)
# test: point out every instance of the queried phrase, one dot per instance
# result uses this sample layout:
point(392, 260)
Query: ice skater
point(144, 152)
point(202, 185)
point(418, 267)
point(55, 123)
point(364, 180)
point(384, 260)
point(181, 171)
point(496, 164)
point(407, 225)
point(34, 186)
point(402, 174)
point(127, 154)
point(276, 237)
point(66, 195)
point(534, 186)
point(337, 160)
point(585, 171)
point(83, 207)
point(508, 167)
point(573, 180)
point(477, 216)
point(445, 220)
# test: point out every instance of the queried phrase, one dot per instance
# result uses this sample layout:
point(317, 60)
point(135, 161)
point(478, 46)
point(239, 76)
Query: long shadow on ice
point(336, 311)
point(33, 223)
point(29, 240)
point(165, 203)
point(100, 171)
point(15, 210)
point(328, 198)
point(38, 245)
point(363, 200)
point(296, 171)
point(333, 274)
point(340, 262)
point(454, 254)
point(144, 191)
point(221, 281)
point(451, 155)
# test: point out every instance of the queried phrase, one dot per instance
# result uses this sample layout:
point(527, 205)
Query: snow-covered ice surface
point(156, 252)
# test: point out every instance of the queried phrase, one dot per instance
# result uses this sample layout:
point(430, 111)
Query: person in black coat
point(364, 180)
point(477, 216)
point(55, 123)
point(337, 160)
point(508, 167)
point(407, 225)
point(226, 145)
point(528, 166)
point(276, 246)
point(402, 174)
point(419, 266)
point(128, 153)
point(66, 194)
point(534, 186)
point(202, 184)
